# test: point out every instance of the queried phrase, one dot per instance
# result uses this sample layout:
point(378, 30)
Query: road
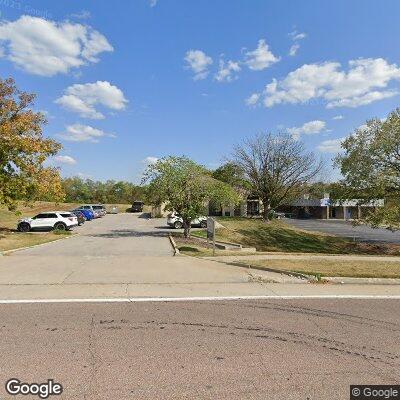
point(276, 349)
point(346, 229)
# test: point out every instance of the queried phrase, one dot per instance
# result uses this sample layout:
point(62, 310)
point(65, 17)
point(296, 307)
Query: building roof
point(337, 203)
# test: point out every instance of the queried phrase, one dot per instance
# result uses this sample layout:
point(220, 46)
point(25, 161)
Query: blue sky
point(122, 82)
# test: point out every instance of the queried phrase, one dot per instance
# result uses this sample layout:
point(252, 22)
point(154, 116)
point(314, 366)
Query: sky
point(123, 83)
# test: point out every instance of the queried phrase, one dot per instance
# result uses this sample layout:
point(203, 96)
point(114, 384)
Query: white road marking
point(216, 298)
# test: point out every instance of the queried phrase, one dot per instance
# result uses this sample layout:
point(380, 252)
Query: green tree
point(185, 187)
point(89, 191)
point(23, 150)
point(370, 165)
point(277, 167)
point(232, 174)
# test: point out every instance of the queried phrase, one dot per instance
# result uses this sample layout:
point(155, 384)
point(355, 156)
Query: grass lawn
point(357, 269)
point(323, 267)
point(15, 240)
point(10, 239)
point(277, 236)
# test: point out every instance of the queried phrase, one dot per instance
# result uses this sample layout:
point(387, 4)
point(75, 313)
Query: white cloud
point(82, 98)
point(363, 83)
point(261, 57)
point(297, 35)
point(65, 160)
point(198, 62)
point(150, 160)
point(337, 117)
point(309, 128)
point(331, 146)
point(227, 70)
point(153, 3)
point(362, 100)
point(293, 49)
point(83, 175)
point(46, 48)
point(253, 99)
point(83, 133)
point(83, 14)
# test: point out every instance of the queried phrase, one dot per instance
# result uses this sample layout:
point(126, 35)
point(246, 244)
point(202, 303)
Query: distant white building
point(324, 208)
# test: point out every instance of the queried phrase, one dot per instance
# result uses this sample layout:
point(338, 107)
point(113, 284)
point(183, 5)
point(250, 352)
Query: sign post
point(211, 232)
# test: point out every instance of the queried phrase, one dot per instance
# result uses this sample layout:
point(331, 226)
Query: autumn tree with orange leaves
point(24, 149)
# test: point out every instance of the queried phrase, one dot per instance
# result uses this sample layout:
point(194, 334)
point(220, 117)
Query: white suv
point(58, 220)
point(175, 221)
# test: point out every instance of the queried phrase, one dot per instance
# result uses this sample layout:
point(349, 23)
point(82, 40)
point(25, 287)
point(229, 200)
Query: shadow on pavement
point(128, 233)
point(145, 215)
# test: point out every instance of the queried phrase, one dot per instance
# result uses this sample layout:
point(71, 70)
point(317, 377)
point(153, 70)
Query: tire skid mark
point(347, 349)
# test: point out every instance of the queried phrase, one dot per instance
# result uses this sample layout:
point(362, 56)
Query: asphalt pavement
point(275, 350)
point(346, 229)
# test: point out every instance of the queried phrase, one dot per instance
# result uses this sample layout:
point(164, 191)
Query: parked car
point(175, 221)
point(80, 216)
point(137, 206)
point(100, 208)
point(97, 212)
point(113, 210)
point(87, 213)
point(57, 220)
point(279, 215)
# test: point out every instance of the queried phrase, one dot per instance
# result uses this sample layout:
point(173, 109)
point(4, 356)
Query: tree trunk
point(186, 229)
point(266, 210)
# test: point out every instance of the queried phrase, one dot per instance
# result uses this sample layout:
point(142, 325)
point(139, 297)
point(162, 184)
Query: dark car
point(81, 217)
point(137, 206)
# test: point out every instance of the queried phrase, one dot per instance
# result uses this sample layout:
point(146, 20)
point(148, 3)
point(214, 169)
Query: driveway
point(346, 229)
point(113, 235)
point(120, 255)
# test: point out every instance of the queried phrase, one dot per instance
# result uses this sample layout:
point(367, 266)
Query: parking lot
point(113, 235)
point(346, 229)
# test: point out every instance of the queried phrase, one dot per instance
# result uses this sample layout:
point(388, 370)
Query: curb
point(343, 280)
point(174, 246)
point(361, 281)
point(5, 252)
point(220, 244)
point(299, 275)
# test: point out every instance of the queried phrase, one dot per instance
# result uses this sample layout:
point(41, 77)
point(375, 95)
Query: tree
point(23, 150)
point(89, 191)
point(185, 187)
point(232, 174)
point(370, 165)
point(277, 168)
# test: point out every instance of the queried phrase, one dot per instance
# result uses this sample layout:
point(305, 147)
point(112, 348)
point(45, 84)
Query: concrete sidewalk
point(205, 290)
point(303, 256)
